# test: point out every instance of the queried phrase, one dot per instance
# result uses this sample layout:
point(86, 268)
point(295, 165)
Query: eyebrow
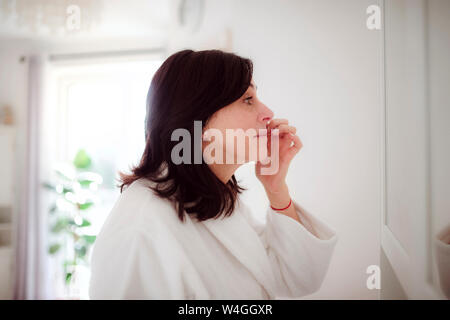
point(254, 87)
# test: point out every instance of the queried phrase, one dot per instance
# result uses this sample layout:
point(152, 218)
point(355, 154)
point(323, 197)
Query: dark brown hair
point(189, 85)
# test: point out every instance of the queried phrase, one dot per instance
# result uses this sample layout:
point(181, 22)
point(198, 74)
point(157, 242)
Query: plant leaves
point(82, 160)
point(54, 248)
point(60, 225)
point(53, 208)
point(89, 239)
point(68, 277)
point(84, 223)
point(86, 205)
point(66, 189)
point(86, 178)
point(68, 263)
point(81, 250)
point(65, 171)
point(49, 186)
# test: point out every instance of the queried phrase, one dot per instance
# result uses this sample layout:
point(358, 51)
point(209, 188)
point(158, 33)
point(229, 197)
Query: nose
point(266, 115)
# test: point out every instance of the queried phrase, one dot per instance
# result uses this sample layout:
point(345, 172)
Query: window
point(99, 108)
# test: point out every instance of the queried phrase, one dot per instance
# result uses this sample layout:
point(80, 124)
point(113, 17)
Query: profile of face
point(235, 129)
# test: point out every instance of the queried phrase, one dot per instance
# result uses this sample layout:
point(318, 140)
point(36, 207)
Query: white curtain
point(31, 278)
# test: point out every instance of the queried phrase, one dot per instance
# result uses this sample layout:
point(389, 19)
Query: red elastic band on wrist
point(290, 201)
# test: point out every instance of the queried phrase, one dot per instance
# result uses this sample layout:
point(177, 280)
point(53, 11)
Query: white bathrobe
point(144, 251)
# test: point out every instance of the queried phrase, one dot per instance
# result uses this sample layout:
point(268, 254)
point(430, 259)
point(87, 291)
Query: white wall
point(13, 92)
point(317, 64)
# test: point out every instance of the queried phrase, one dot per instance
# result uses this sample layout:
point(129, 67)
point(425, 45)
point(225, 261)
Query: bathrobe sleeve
point(299, 254)
point(129, 265)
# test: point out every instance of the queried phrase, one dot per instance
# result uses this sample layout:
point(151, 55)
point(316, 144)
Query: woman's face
point(247, 113)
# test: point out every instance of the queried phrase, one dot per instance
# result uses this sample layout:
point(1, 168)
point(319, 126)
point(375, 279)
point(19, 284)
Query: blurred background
point(366, 83)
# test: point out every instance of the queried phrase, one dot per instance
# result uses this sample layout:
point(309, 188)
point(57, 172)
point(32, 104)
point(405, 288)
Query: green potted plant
point(75, 191)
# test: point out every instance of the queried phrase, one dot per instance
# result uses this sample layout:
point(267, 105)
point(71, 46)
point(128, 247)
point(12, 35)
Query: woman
point(179, 229)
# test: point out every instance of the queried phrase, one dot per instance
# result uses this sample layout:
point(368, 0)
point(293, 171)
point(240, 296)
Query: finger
point(276, 122)
point(297, 143)
point(284, 128)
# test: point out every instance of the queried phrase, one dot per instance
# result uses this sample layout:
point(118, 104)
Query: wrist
point(275, 189)
point(284, 208)
point(279, 199)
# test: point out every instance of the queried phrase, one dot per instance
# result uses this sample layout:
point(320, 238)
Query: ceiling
point(83, 19)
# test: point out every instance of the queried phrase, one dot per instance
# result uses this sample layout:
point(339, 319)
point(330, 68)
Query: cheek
point(224, 120)
point(247, 122)
point(233, 117)
point(239, 117)
point(244, 121)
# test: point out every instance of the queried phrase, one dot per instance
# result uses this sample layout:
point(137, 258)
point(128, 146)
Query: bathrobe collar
point(243, 242)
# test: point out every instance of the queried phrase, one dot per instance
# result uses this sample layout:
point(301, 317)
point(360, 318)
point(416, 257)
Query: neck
point(224, 171)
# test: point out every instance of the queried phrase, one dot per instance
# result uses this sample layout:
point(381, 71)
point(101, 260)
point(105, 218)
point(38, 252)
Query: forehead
point(253, 85)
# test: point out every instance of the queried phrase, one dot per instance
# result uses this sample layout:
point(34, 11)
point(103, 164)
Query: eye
point(248, 100)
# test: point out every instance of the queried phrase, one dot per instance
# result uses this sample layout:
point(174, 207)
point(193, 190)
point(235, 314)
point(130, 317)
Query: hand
point(276, 182)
